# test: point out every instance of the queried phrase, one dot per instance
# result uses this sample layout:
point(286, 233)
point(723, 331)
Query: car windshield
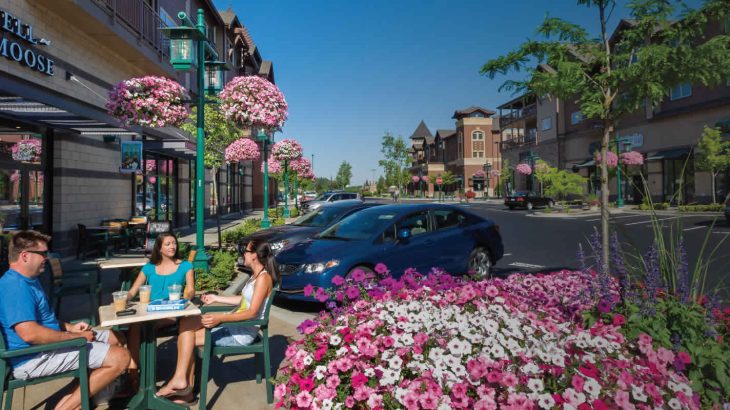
point(521, 193)
point(323, 197)
point(360, 225)
point(321, 217)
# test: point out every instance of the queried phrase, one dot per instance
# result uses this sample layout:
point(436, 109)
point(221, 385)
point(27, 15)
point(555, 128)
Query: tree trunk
point(714, 198)
point(604, 196)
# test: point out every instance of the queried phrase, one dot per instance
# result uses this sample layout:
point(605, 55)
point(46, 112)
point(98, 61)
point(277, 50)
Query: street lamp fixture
point(214, 77)
point(188, 47)
point(627, 147)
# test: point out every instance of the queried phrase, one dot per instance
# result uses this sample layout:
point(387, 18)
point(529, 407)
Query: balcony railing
point(516, 115)
point(520, 141)
point(140, 19)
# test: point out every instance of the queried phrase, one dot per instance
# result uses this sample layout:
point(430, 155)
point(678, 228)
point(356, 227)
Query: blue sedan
point(401, 236)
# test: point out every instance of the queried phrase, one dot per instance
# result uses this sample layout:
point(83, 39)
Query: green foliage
point(222, 271)
point(701, 208)
point(659, 206)
point(236, 236)
point(559, 183)
point(219, 134)
point(344, 174)
point(397, 159)
point(713, 155)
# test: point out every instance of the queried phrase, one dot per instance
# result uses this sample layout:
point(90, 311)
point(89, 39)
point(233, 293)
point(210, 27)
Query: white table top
point(131, 261)
point(108, 316)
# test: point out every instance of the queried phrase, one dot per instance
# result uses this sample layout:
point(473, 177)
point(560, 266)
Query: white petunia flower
point(535, 385)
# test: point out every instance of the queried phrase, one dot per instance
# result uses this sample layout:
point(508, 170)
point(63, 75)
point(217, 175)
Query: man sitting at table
point(26, 319)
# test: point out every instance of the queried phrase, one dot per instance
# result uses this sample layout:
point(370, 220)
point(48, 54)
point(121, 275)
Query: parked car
point(330, 196)
point(309, 195)
point(527, 200)
point(421, 236)
point(306, 225)
point(727, 209)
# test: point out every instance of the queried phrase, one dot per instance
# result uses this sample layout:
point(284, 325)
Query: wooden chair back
point(54, 263)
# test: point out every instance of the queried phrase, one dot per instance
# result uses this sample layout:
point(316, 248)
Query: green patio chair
point(65, 282)
point(260, 348)
point(8, 383)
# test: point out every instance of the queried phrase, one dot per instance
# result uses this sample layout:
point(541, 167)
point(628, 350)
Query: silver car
point(327, 197)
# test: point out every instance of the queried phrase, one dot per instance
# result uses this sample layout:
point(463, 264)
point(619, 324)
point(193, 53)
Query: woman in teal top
point(164, 269)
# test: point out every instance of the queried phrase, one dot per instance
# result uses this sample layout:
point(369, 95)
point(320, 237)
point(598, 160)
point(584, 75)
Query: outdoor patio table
point(126, 263)
point(146, 397)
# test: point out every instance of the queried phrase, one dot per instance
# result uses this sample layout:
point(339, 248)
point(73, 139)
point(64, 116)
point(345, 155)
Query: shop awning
point(668, 154)
point(179, 149)
point(585, 164)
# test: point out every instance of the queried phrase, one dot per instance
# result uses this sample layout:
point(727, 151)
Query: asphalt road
point(542, 244)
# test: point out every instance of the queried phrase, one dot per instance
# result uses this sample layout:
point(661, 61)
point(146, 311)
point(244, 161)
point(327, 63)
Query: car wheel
point(511, 207)
point(529, 206)
point(550, 204)
point(480, 262)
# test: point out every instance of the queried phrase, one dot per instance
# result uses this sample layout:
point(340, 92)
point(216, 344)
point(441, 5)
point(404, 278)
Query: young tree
point(611, 76)
point(505, 175)
point(713, 155)
point(561, 183)
point(396, 155)
point(344, 174)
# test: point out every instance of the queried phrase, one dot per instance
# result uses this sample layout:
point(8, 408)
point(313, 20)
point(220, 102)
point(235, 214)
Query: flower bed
point(441, 342)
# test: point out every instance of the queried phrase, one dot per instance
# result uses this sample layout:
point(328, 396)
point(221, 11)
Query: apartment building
point(464, 151)
point(58, 60)
point(666, 135)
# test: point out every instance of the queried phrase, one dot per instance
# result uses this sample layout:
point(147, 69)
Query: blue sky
point(352, 70)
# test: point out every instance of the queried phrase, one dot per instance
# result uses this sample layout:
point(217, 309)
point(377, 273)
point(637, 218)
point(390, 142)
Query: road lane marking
point(723, 233)
point(692, 229)
point(526, 265)
point(614, 217)
point(507, 254)
point(649, 221)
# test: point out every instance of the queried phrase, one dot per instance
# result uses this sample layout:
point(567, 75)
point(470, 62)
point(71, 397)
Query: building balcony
point(140, 19)
point(520, 141)
point(519, 114)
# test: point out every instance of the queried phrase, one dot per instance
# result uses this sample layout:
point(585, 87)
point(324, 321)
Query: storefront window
point(678, 180)
point(21, 180)
point(156, 189)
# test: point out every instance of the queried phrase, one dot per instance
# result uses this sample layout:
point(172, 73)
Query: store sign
point(14, 44)
point(131, 156)
point(636, 139)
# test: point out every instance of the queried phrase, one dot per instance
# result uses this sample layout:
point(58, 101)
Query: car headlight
point(277, 246)
point(320, 266)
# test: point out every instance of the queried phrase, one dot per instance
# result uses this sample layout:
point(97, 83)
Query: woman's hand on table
point(208, 299)
point(210, 320)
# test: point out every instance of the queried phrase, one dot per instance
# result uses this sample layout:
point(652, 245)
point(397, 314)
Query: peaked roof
point(472, 109)
point(421, 131)
point(228, 16)
point(445, 133)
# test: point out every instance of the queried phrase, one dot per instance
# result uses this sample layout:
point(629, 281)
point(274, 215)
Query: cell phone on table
point(127, 312)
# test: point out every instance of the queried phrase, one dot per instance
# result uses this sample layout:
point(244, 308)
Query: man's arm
point(36, 334)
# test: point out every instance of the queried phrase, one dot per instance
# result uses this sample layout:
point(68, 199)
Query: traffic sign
point(439, 181)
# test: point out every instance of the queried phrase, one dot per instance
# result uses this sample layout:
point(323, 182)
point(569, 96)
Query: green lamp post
point(532, 158)
point(286, 190)
point(184, 40)
point(627, 147)
point(264, 139)
point(487, 168)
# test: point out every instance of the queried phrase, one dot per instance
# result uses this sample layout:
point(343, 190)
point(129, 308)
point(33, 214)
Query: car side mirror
point(404, 234)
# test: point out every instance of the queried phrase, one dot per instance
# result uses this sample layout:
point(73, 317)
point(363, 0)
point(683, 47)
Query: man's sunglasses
point(40, 253)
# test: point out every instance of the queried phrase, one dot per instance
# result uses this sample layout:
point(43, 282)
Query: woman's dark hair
point(266, 257)
point(156, 256)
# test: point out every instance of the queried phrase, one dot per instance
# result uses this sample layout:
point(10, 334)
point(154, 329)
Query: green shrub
point(235, 236)
point(222, 271)
point(656, 206)
point(701, 208)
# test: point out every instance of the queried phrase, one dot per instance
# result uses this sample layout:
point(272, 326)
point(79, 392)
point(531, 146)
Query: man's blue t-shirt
point(21, 300)
point(160, 283)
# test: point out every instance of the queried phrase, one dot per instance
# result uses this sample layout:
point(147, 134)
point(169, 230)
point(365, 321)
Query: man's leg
point(108, 362)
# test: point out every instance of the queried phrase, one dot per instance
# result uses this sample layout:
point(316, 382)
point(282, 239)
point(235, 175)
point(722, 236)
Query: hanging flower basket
point(632, 158)
point(274, 166)
point(479, 174)
point(148, 102)
point(242, 149)
point(495, 173)
point(286, 150)
point(415, 179)
point(301, 166)
point(424, 178)
point(523, 169)
point(27, 150)
point(253, 102)
point(611, 161)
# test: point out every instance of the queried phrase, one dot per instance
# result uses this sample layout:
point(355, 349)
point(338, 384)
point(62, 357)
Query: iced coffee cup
point(174, 291)
point(120, 300)
point(144, 293)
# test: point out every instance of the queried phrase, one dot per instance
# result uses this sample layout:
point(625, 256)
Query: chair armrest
point(78, 343)
point(215, 308)
point(256, 322)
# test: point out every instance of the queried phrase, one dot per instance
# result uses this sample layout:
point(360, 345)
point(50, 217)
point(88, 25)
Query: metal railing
point(140, 19)
point(518, 114)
